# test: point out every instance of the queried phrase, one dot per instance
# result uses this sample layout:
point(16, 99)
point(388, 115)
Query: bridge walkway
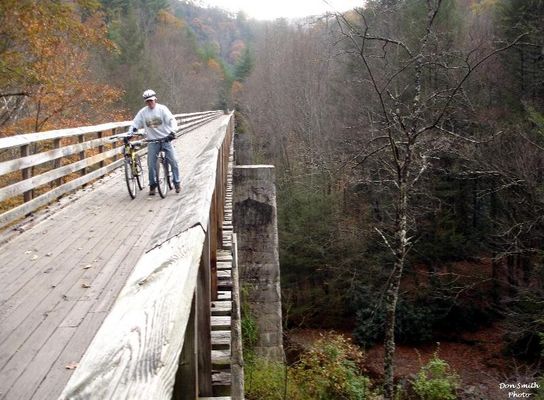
point(59, 279)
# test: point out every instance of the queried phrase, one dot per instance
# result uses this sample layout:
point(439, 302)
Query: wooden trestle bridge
point(104, 297)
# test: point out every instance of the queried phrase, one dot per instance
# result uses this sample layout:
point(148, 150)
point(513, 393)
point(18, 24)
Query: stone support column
point(255, 223)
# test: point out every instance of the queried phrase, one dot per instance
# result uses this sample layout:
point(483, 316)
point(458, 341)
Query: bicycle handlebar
point(161, 140)
point(124, 135)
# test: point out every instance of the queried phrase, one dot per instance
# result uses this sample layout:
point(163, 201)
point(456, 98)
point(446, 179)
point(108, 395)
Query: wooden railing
point(40, 168)
point(155, 342)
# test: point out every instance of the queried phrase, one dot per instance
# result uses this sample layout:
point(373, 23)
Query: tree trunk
point(393, 291)
point(495, 276)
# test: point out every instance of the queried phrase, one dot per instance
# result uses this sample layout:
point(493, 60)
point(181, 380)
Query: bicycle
point(134, 172)
point(163, 172)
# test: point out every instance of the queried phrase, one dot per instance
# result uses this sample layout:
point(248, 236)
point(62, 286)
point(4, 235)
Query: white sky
point(272, 9)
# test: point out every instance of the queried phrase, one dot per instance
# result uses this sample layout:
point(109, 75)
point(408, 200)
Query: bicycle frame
point(134, 174)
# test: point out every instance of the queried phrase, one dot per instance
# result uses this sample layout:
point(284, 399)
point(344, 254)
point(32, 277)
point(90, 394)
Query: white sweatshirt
point(158, 122)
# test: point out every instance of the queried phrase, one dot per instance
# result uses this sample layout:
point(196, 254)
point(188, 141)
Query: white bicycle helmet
point(149, 95)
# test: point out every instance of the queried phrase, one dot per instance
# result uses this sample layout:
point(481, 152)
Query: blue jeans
point(152, 151)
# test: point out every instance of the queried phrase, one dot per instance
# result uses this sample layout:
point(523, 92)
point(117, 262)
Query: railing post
point(58, 161)
point(81, 139)
point(213, 246)
point(220, 198)
point(26, 173)
point(204, 322)
point(112, 134)
point(186, 384)
point(99, 135)
point(237, 367)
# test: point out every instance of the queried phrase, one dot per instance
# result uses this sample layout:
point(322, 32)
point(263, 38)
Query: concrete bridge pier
point(255, 222)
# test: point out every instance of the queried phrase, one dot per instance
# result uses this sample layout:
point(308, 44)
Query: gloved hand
point(171, 136)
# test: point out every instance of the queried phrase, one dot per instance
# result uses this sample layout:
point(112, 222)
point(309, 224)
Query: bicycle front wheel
point(162, 176)
point(169, 178)
point(130, 178)
point(140, 177)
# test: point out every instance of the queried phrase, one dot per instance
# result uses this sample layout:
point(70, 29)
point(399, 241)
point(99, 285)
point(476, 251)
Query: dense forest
point(408, 140)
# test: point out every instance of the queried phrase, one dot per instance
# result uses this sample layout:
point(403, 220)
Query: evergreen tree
point(244, 66)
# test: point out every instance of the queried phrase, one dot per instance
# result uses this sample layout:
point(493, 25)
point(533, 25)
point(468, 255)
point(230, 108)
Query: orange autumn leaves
point(47, 78)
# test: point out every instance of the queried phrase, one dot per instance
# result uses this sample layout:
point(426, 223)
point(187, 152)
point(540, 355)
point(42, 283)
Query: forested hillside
point(88, 61)
point(408, 140)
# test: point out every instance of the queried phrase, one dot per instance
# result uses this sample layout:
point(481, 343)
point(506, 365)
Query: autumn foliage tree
point(46, 78)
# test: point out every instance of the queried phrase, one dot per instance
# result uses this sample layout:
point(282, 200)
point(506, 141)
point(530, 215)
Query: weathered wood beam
point(136, 351)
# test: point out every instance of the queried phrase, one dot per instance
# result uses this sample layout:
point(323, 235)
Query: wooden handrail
point(90, 166)
point(29, 138)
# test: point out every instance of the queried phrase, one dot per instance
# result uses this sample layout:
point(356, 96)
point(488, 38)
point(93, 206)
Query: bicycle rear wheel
point(140, 177)
point(130, 178)
point(162, 176)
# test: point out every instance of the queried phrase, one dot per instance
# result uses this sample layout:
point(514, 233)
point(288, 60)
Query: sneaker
point(177, 188)
point(152, 191)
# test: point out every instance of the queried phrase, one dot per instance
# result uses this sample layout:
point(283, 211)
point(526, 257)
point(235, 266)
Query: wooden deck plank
point(222, 378)
point(224, 295)
point(51, 312)
point(221, 359)
point(61, 370)
point(38, 257)
point(31, 377)
point(63, 233)
point(83, 297)
point(222, 265)
point(221, 340)
point(224, 284)
point(62, 276)
point(222, 305)
point(215, 398)
point(224, 274)
point(220, 323)
point(66, 283)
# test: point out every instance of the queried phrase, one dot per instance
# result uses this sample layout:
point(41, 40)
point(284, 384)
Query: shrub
point(539, 395)
point(330, 370)
point(267, 380)
point(436, 381)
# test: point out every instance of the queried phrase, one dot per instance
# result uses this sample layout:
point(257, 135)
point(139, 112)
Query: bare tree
point(290, 98)
point(415, 77)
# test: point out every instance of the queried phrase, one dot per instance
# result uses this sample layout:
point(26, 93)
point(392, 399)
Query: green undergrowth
point(330, 369)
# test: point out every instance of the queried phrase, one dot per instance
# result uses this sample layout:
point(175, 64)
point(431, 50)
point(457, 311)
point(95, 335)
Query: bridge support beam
point(186, 387)
point(204, 294)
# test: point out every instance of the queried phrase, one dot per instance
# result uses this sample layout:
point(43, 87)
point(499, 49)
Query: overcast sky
point(272, 9)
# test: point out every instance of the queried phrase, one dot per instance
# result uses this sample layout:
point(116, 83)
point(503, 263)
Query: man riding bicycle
point(158, 123)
